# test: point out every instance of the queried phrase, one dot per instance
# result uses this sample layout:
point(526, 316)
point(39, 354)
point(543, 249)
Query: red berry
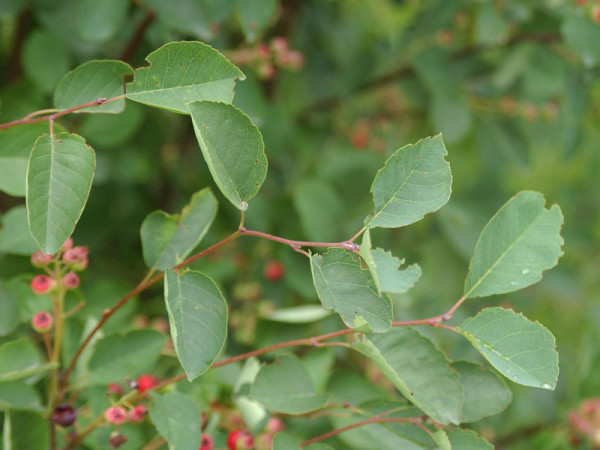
point(360, 138)
point(206, 443)
point(71, 280)
point(41, 322)
point(40, 259)
point(239, 440)
point(115, 414)
point(42, 284)
point(274, 271)
point(64, 415)
point(145, 382)
point(137, 413)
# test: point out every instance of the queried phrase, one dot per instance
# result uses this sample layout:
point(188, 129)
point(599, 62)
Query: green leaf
point(521, 350)
point(15, 147)
point(582, 34)
point(28, 430)
point(255, 15)
point(419, 370)
point(344, 286)
point(285, 387)
point(441, 439)
point(19, 359)
point(15, 237)
point(414, 181)
point(486, 394)
point(59, 179)
point(298, 314)
point(467, 440)
point(177, 419)
point(45, 60)
point(125, 355)
point(9, 309)
point(285, 441)
point(91, 81)
point(168, 239)
point(100, 21)
point(19, 395)
point(254, 414)
point(198, 318)
point(515, 247)
point(385, 268)
point(233, 149)
point(182, 73)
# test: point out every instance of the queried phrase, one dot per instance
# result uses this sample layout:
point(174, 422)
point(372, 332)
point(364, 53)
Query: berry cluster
point(585, 423)
point(60, 268)
point(266, 59)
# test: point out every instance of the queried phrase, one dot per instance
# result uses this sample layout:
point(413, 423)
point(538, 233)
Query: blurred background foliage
point(335, 87)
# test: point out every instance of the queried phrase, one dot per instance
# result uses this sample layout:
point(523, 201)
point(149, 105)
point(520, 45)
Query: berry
point(239, 440)
point(279, 44)
point(115, 414)
point(137, 413)
point(274, 425)
point(206, 443)
point(76, 257)
point(42, 284)
point(64, 415)
point(68, 244)
point(71, 280)
point(116, 439)
point(114, 388)
point(145, 382)
point(40, 259)
point(42, 322)
point(274, 271)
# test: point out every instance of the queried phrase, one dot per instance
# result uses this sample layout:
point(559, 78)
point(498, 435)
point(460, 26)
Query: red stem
point(348, 245)
point(376, 419)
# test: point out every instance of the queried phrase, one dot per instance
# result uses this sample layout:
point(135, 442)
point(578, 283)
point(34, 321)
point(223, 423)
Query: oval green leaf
point(19, 395)
point(168, 239)
point(233, 149)
point(521, 350)
point(467, 440)
point(15, 237)
point(344, 286)
point(297, 314)
point(59, 179)
point(26, 429)
point(285, 387)
point(414, 181)
point(198, 318)
point(20, 359)
point(486, 394)
point(515, 247)
point(91, 81)
point(182, 73)
point(125, 355)
point(9, 309)
point(419, 370)
point(177, 419)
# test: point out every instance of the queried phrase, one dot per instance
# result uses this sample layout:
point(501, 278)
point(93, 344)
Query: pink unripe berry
point(41, 322)
point(40, 259)
point(206, 443)
point(279, 44)
point(70, 280)
point(68, 244)
point(114, 388)
point(76, 257)
point(596, 14)
point(274, 425)
point(292, 59)
point(115, 414)
point(240, 440)
point(145, 382)
point(262, 52)
point(42, 284)
point(137, 413)
point(266, 71)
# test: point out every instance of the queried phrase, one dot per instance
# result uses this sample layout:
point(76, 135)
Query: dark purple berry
point(64, 415)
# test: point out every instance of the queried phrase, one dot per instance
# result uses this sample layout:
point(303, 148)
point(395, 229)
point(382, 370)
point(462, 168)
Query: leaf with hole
point(59, 179)
point(182, 73)
point(198, 318)
point(521, 350)
point(344, 286)
point(168, 239)
point(515, 247)
point(233, 149)
point(414, 181)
